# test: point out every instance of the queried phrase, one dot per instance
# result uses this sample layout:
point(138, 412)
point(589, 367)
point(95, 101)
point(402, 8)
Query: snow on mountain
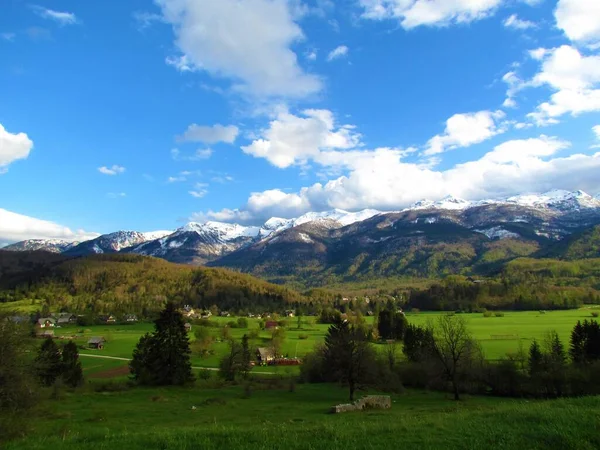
point(448, 203)
point(498, 233)
point(49, 245)
point(557, 199)
point(224, 231)
point(153, 235)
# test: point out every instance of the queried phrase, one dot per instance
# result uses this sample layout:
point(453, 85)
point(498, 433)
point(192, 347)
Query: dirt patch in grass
point(112, 373)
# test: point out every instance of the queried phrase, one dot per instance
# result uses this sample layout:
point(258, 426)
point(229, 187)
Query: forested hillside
point(131, 283)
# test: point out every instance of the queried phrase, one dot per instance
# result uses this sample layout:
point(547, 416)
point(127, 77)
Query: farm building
point(130, 318)
point(46, 322)
point(65, 318)
point(108, 319)
point(264, 355)
point(96, 342)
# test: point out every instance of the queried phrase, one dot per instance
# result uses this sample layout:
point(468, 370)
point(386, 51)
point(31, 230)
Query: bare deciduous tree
point(455, 350)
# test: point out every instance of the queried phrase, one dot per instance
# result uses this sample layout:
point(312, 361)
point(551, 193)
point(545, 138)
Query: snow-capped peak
point(557, 199)
point(225, 231)
point(448, 202)
point(153, 235)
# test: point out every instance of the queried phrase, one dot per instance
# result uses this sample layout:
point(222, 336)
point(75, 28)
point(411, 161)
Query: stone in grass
point(368, 402)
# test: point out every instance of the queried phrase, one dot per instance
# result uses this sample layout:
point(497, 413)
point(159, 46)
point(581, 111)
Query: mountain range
point(427, 239)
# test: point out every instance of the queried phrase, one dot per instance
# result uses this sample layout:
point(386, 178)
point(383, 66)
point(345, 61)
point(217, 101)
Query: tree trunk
point(352, 388)
point(456, 393)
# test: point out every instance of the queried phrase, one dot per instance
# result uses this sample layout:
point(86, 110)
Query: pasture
point(274, 417)
point(498, 336)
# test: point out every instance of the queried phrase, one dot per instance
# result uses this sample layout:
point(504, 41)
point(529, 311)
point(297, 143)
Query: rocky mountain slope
point(427, 239)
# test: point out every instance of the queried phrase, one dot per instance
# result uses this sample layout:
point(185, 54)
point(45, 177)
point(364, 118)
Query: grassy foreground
point(276, 418)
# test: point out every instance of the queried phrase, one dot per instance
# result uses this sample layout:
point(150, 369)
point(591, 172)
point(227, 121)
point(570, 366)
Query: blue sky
point(146, 114)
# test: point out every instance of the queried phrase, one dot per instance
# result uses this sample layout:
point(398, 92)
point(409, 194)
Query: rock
point(368, 402)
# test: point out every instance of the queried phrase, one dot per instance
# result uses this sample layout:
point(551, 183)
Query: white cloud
point(380, 179)
point(114, 170)
point(210, 134)
point(312, 55)
point(16, 227)
point(515, 84)
point(596, 130)
point(13, 147)
point(463, 130)
point(116, 195)
point(414, 13)
point(145, 19)
point(199, 190)
point(181, 63)
point(338, 52)
point(579, 19)
point(292, 139)
point(515, 23)
point(62, 18)
point(247, 42)
point(574, 77)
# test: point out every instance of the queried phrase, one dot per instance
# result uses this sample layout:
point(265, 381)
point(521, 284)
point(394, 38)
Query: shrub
point(595, 313)
point(487, 314)
point(499, 314)
point(232, 324)
point(303, 336)
point(204, 374)
point(242, 322)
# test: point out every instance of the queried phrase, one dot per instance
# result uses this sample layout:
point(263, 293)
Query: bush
point(487, 314)
point(242, 322)
point(303, 336)
point(232, 324)
point(595, 313)
point(499, 314)
point(204, 374)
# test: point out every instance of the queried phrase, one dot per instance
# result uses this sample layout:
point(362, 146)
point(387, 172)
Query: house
point(270, 324)
point(290, 313)
point(108, 319)
point(225, 314)
point(188, 327)
point(205, 315)
point(46, 334)
point(97, 343)
point(188, 311)
point(65, 318)
point(129, 318)
point(46, 322)
point(264, 355)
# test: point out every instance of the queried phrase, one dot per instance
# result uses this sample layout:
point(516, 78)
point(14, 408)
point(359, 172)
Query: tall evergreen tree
point(246, 356)
point(399, 326)
point(536, 359)
point(577, 348)
point(385, 324)
point(72, 374)
point(48, 364)
point(163, 358)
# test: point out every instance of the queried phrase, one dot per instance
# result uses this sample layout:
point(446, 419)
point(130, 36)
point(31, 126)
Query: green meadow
point(498, 336)
point(274, 417)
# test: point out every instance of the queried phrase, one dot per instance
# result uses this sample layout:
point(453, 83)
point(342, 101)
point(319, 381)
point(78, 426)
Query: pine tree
point(48, 364)
point(536, 359)
point(399, 326)
point(577, 348)
point(163, 358)
point(72, 374)
point(385, 324)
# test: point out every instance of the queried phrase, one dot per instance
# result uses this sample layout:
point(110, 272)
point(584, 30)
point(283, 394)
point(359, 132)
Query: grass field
point(277, 418)
point(498, 336)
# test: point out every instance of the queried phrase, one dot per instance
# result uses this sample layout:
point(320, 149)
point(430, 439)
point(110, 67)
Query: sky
point(144, 115)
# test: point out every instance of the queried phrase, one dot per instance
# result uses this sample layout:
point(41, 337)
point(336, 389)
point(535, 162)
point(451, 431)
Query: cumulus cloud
point(114, 170)
point(414, 13)
point(382, 180)
point(62, 18)
point(294, 139)
point(579, 19)
point(17, 227)
point(515, 23)
point(247, 42)
point(463, 130)
point(338, 52)
point(13, 147)
point(209, 134)
point(574, 78)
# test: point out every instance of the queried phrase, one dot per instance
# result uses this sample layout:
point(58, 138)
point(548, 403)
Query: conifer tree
point(536, 359)
point(163, 358)
point(72, 374)
point(48, 364)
